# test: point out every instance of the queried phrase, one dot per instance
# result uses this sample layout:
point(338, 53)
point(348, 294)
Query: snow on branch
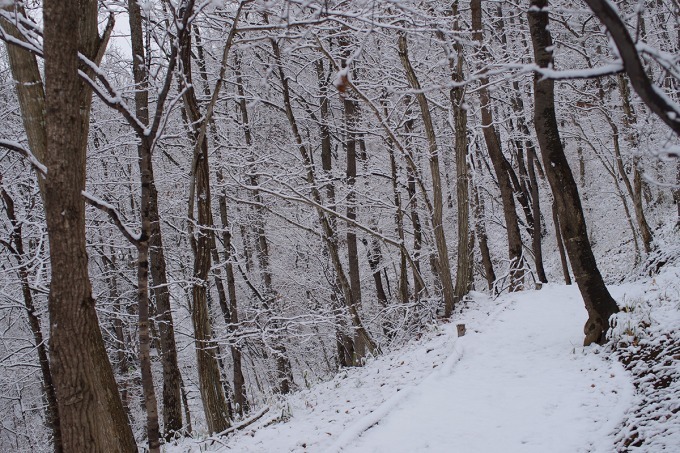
point(656, 100)
point(100, 204)
point(27, 154)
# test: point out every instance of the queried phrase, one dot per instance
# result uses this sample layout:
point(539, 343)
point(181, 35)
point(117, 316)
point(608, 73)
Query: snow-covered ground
point(518, 381)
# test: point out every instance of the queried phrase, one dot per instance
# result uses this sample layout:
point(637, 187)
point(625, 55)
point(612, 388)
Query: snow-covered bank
point(519, 380)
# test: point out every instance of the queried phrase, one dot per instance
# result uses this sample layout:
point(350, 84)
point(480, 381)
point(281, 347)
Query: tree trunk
point(283, 365)
point(215, 404)
point(146, 174)
point(231, 312)
point(560, 245)
point(501, 166)
point(442, 261)
point(598, 301)
point(415, 219)
point(482, 238)
point(91, 413)
point(344, 343)
point(635, 191)
point(328, 233)
point(457, 97)
point(30, 90)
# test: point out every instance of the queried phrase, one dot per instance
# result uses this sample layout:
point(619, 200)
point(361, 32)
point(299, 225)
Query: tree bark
point(457, 97)
point(146, 176)
point(90, 410)
point(635, 190)
point(415, 217)
point(560, 245)
point(599, 303)
point(344, 343)
point(30, 90)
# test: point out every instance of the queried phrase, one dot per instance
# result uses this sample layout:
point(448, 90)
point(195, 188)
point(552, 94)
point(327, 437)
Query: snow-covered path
point(522, 385)
point(518, 381)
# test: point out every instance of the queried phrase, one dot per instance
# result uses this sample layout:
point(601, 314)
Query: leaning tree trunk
point(599, 303)
point(442, 262)
point(90, 409)
point(501, 166)
point(30, 90)
point(215, 404)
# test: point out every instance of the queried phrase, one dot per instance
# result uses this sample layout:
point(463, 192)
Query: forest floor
point(518, 381)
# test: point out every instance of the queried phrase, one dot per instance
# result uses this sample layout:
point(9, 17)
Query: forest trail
point(523, 384)
point(518, 381)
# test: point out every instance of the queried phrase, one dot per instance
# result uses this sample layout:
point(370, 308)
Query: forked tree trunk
point(599, 303)
point(90, 409)
point(351, 117)
point(442, 260)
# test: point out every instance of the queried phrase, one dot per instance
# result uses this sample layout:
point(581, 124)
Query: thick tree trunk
point(598, 301)
point(91, 413)
point(30, 90)
point(442, 261)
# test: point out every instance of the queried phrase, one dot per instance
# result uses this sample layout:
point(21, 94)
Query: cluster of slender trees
point(206, 204)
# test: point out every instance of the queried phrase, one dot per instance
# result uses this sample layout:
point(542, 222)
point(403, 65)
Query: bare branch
point(656, 100)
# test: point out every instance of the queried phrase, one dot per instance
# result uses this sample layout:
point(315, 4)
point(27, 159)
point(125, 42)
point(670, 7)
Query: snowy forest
point(216, 214)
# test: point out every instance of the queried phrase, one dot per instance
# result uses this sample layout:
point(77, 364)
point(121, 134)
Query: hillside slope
point(518, 381)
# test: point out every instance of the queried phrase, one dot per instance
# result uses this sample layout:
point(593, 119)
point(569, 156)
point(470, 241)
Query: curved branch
point(656, 100)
